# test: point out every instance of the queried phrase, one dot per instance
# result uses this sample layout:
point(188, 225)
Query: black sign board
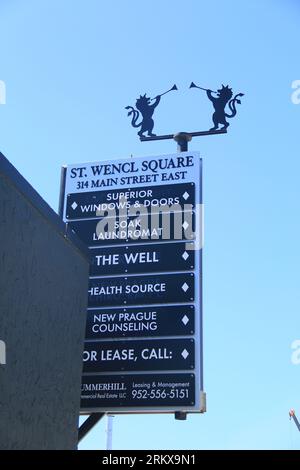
point(135, 229)
point(168, 320)
point(146, 390)
point(138, 218)
point(156, 257)
point(143, 355)
point(141, 290)
point(87, 205)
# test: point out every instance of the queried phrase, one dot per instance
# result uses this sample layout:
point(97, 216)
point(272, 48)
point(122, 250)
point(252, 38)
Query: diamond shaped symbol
point(185, 354)
point(185, 225)
point(185, 320)
point(185, 287)
point(185, 196)
point(185, 255)
point(74, 205)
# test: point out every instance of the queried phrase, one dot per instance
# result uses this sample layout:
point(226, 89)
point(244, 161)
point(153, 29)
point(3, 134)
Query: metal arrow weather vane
point(145, 107)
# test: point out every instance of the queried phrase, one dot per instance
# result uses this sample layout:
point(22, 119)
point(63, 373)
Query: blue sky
point(70, 68)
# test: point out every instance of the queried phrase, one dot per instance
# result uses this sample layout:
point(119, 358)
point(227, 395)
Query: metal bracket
point(89, 423)
point(191, 134)
point(203, 402)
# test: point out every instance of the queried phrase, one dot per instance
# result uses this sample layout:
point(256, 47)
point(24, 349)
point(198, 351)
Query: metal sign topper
point(146, 109)
point(220, 99)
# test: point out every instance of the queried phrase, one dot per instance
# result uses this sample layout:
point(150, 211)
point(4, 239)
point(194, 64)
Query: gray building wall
point(43, 300)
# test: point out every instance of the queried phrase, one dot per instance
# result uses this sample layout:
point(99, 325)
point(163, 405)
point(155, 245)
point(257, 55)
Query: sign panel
point(170, 320)
point(135, 229)
point(153, 258)
point(141, 220)
point(141, 290)
point(132, 173)
point(135, 355)
point(88, 205)
point(146, 390)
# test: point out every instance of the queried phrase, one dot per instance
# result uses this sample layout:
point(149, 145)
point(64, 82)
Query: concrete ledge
point(32, 196)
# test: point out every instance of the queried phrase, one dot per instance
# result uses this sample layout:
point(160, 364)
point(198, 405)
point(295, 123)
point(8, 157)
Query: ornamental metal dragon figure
point(222, 98)
point(145, 110)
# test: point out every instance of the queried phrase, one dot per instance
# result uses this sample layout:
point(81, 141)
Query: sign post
point(142, 221)
point(144, 335)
